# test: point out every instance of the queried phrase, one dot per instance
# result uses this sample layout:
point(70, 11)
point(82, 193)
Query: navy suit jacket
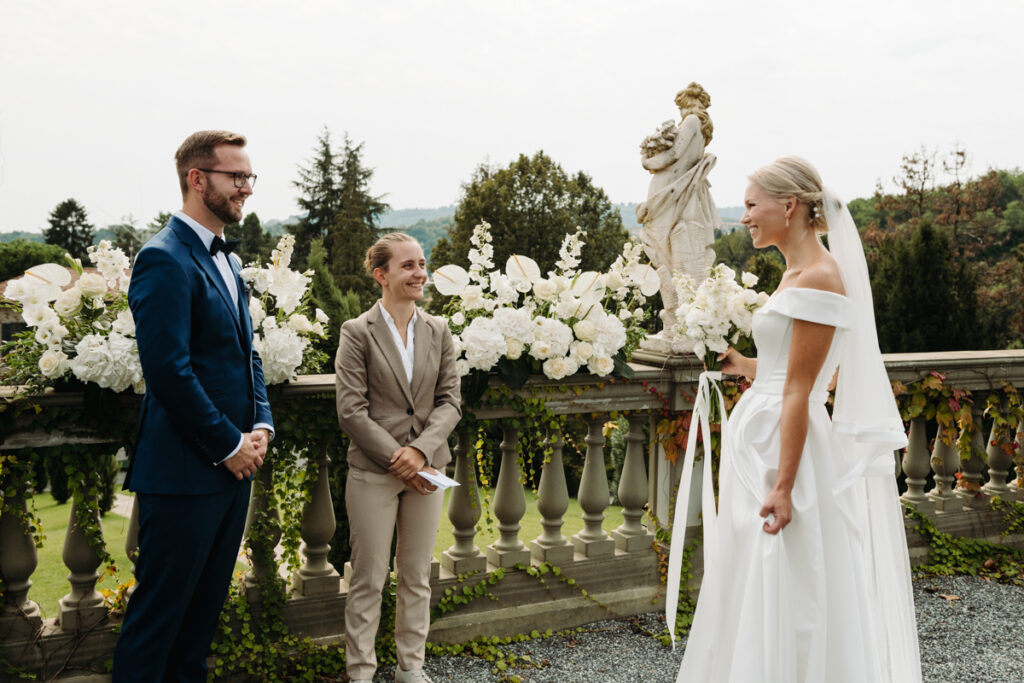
point(204, 379)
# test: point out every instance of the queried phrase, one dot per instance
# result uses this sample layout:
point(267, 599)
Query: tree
point(70, 228)
point(326, 296)
point(159, 222)
point(319, 197)
point(256, 244)
point(128, 237)
point(340, 212)
point(355, 227)
point(925, 296)
point(531, 205)
point(18, 256)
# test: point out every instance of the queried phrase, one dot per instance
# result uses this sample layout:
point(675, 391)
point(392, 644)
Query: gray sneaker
point(413, 676)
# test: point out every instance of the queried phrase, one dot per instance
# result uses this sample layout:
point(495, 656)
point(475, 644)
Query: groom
point(205, 421)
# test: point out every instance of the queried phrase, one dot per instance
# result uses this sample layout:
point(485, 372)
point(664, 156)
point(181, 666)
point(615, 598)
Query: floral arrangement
point(282, 329)
point(84, 330)
point(520, 322)
point(718, 313)
point(660, 140)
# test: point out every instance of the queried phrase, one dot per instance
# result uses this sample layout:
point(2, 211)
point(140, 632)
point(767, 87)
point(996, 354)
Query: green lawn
point(49, 582)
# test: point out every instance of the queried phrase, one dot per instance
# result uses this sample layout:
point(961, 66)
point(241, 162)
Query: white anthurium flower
point(450, 280)
point(589, 287)
point(523, 271)
point(646, 278)
point(51, 273)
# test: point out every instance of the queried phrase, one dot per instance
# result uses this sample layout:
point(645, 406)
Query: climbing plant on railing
point(952, 408)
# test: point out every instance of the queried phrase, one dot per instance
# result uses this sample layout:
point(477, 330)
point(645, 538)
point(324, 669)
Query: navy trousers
point(188, 546)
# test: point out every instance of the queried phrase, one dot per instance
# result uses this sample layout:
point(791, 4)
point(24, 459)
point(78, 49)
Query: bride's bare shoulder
point(822, 274)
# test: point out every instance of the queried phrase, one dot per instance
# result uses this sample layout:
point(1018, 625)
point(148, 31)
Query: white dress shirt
point(224, 268)
point(406, 351)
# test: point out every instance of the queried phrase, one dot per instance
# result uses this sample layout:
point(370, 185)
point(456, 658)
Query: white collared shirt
point(408, 351)
point(221, 259)
point(224, 268)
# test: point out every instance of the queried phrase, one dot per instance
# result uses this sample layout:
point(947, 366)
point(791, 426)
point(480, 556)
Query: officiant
point(398, 400)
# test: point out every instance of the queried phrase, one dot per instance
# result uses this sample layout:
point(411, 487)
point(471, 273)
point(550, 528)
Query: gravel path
point(975, 635)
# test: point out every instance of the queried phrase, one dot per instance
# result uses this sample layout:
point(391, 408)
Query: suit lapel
point(424, 343)
point(382, 336)
point(245, 321)
point(205, 262)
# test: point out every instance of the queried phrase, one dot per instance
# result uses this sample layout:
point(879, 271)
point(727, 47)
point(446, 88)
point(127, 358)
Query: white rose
point(92, 285)
point(601, 365)
point(513, 348)
point(321, 317)
point(124, 323)
point(458, 318)
point(585, 330)
point(748, 279)
point(53, 364)
point(256, 311)
point(69, 303)
point(581, 350)
point(545, 290)
point(300, 323)
point(473, 297)
point(557, 368)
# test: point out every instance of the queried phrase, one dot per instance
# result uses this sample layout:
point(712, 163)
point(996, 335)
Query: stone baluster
point(552, 502)
point(464, 512)
point(632, 536)
point(1017, 487)
point(509, 507)
point(945, 464)
point(997, 451)
point(18, 560)
point(916, 466)
point(83, 606)
point(972, 470)
point(131, 542)
point(592, 541)
point(261, 503)
point(317, 576)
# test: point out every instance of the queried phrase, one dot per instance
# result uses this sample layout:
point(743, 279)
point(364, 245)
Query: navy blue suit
point(204, 388)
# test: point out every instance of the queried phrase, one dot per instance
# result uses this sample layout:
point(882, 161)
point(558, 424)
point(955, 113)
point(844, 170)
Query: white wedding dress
point(828, 599)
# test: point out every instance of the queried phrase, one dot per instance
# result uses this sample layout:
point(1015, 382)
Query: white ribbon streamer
point(700, 421)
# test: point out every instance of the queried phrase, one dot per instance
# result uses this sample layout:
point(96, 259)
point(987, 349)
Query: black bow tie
point(219, 244)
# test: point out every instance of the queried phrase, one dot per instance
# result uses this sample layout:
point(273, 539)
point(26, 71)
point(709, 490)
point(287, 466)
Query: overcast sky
point(96, 96)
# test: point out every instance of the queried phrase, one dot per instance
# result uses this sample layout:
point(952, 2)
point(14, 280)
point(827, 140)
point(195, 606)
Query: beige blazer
point(377, 407)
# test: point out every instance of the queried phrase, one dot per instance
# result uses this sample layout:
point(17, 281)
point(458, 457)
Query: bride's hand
point(779, 505)
point(734, 362)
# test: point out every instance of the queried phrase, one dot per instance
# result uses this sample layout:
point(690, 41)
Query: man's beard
point(220, 206)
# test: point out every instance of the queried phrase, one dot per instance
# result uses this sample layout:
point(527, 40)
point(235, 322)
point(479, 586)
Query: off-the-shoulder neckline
point(809, 289)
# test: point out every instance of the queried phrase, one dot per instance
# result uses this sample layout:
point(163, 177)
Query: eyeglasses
point(239, 178)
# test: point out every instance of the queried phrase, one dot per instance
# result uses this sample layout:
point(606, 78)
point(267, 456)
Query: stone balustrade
point(617, 567)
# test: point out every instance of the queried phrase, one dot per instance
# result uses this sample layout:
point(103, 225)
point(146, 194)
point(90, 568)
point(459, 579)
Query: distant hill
point(402, 218)
point(21, 235)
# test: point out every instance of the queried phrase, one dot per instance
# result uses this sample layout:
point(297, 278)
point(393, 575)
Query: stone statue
point(679, 217)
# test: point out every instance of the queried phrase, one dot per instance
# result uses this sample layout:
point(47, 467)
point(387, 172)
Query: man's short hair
point(199, 150)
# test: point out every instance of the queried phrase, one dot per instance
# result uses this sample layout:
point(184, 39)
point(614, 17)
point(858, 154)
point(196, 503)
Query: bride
point(807, 577)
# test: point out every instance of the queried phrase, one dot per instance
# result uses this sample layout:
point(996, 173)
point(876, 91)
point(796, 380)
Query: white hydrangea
point(281, 349)
point(557, 368)
point(124, 323)
point(552, 338)
point(484, 343)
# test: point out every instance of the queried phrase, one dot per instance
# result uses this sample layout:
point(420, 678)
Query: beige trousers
point(376, 504)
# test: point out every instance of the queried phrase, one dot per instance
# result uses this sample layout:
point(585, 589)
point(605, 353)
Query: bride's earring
point(787, 221)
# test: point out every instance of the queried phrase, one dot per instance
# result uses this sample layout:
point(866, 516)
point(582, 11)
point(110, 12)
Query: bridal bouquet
point(82, 329)
point(281, 317)
point(718, 313)
point(520, 321)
